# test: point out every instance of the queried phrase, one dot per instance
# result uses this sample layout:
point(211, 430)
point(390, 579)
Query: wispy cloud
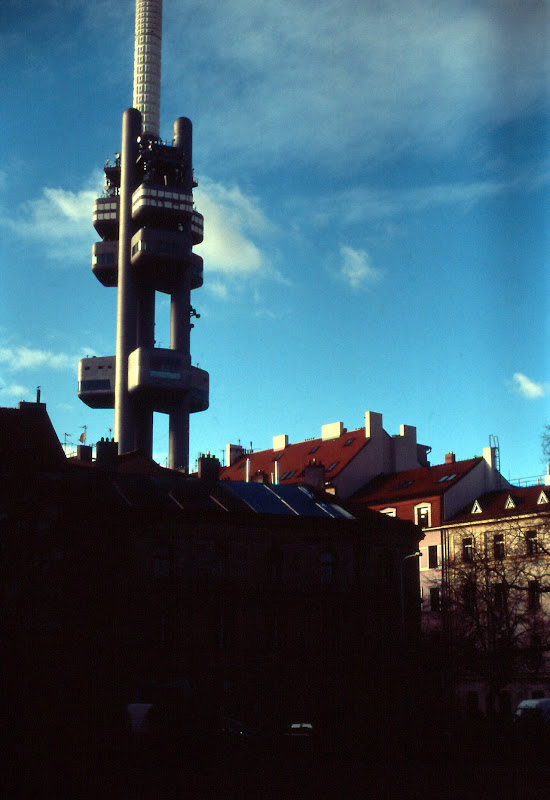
point(60, 220)
point(527, 387)
point(308, 79)
point(356, 268)
point(20, 358)
point(358, 204)
point(13, 390)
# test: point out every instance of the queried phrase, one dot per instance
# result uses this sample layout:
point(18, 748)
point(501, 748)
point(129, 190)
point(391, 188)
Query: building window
point(469, 596)
point(498, 546)
point(532, 543)
point(327, 568)
point(468, 549)
point(432, 556)
point(435, 599)
point(422, 515)
point(389, 512)
point(533, 595)
point(499, 596)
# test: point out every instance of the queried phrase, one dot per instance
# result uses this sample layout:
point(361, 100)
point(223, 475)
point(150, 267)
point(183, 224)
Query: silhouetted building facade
point(264, 603)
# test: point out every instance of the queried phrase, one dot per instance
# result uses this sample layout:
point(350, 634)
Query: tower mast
point(148, 226)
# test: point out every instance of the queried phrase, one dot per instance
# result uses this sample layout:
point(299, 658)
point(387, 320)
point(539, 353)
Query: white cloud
point(218, 289)
point(232, 219)
point(356, 268)
point(59, 220)
point(527, 387)
point(14, 390)
point(22, 357)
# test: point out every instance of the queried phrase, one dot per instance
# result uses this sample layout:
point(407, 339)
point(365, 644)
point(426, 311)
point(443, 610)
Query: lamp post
point(411, 555)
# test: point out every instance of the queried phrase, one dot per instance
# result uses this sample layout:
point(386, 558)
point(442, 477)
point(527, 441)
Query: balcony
point(163, 377)
point(105, 216)
point(153, 204)
point(163, 256)
point(105, 262)
point(197, 227)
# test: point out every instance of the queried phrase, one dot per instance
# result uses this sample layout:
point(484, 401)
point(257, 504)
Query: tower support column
point(127, 303)
point(178, 437)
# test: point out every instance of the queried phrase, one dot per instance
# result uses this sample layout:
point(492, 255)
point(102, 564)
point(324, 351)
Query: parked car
point(533, 712)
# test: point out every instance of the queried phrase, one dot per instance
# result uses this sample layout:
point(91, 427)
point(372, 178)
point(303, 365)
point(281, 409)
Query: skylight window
point(314, 449)
point(445, 478)
point(286, 475)
point(334, 463)
point(403, 484)
point(349, 441)
point(278, 456)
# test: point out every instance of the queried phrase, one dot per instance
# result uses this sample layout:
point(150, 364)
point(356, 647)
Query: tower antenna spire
point(147, 64)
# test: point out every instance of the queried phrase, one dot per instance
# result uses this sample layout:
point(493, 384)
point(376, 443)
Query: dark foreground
point(479, 765)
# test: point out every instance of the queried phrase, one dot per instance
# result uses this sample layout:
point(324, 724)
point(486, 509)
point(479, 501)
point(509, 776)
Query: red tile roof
point(335, 453)
point(412, 483)
point(525, 500)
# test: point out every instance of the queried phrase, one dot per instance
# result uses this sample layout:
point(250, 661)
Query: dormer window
point(389, 512)
point(476, 508)
point(509, 502)
point(542, 498)
point(422, 515)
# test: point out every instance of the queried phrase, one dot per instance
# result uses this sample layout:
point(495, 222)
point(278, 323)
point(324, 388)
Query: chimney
point(84, 453)
point(314, 475)
point(280, 442)
point(106, 453)
point(373, 423)
point(450, 458)
point(332, 431)
point(208, 468)
point(232, 453)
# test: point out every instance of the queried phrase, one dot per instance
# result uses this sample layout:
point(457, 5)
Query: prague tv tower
point(148, 226)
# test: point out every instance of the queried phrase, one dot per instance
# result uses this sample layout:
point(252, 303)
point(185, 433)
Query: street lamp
point(411, 555)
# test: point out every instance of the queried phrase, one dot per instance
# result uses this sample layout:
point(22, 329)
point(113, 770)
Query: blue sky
point(374, 178)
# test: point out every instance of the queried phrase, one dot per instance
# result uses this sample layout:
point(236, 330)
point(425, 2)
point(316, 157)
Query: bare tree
point(545, 442)
point(497, 606)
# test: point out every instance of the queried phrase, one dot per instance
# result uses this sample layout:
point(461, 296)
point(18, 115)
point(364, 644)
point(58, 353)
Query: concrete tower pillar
point(127, 303)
